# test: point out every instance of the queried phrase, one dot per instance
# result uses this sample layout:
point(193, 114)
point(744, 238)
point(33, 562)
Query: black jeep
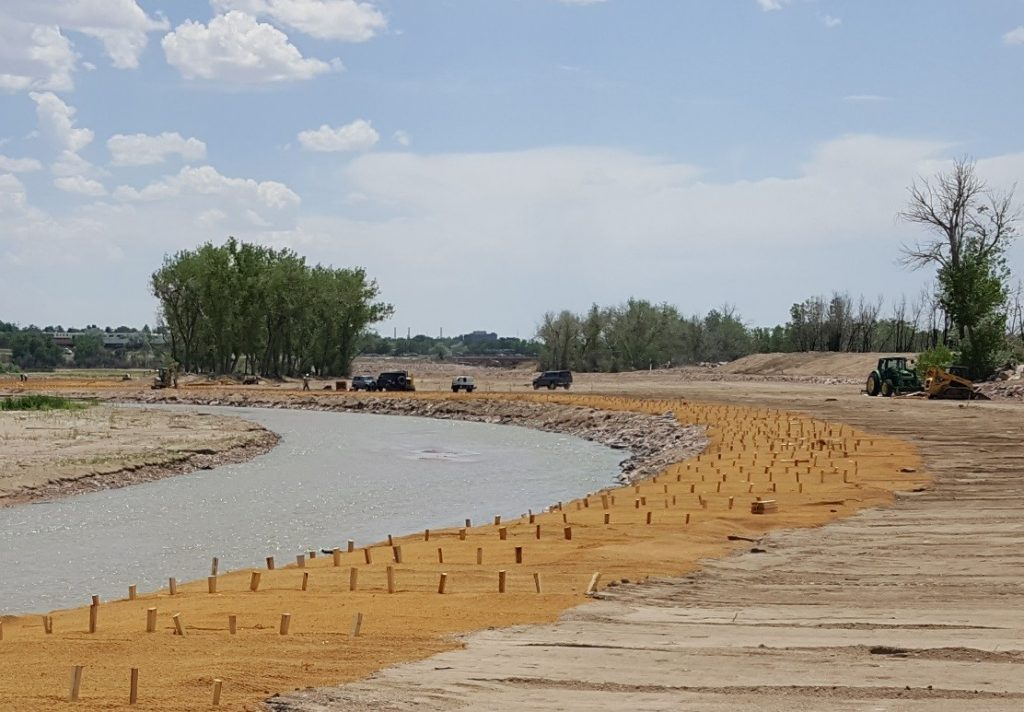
point(395, 381)
point(553, 380)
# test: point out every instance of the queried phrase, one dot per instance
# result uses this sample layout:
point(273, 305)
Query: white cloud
point(69, 163)
point(34, 57)
point(12, 195)
point(81, 185)
point(1014, 36)
point(356, 136)
point(143, 150)
point(345, 20)
point(206, 181)
point(831, 21)
point(57, 119)
point(402, 138)
point(768, 5)
point(19, 165)
point(234, 48)
point(36, 53)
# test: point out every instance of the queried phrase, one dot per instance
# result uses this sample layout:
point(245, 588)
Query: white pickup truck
point(463, 383)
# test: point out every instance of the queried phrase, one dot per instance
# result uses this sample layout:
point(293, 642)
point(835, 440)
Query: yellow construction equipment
point(951, 384)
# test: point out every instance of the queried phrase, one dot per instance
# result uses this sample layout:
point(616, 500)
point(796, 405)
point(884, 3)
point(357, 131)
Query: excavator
point(951, 384)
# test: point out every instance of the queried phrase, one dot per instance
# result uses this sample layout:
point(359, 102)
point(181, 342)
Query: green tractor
point(893, 377)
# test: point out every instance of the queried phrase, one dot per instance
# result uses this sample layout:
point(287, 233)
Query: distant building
point(477, 337)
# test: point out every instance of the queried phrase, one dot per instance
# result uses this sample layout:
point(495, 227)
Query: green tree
point(36, 351)
point(89, 351)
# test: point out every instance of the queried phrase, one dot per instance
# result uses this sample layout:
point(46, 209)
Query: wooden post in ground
point(211, 584)
point(150, 620)
point(397, 553)
point(357, 624)
point(179, 627)
point(536, 532)
point(254, 581)
point(232, 624)
point(76, 683)
point(440, 555)
point(592, 586)
point(649, 517)
point(94, 611)
point(133, 687)
point(270, 563)
point(172, 584)
point(536, 582)
point(479, 556)
point(567, 532)
point(497, 520)
point(217, 686)
point(501, 582)
point(367, 557)
point(286, 621)
point(353, 578)
point(462, 534)
point(426, 535)
point(300, 561)
point(441, 582)
point(607, 518)
point(132, 592)
point(305, 580)
point(391, 579)
point(519, 554)
point(351, 546)
point(503, 533)
point(215, 566)
point(336, 556)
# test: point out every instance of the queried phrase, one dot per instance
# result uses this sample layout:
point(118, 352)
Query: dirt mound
point(808, 363)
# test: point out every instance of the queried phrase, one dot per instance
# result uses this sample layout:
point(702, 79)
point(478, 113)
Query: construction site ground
point(915, 606)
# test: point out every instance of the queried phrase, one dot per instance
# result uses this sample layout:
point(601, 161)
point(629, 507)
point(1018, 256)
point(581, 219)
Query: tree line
point(249, 308)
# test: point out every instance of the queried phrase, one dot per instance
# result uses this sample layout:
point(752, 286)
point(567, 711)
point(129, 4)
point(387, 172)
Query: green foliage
point(90, 352)
point(265, 309)
point(39, 402)
point(35, 351)
point(939, 356)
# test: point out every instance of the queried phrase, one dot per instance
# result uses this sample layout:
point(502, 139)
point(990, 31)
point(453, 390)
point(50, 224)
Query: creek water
point(333, 477)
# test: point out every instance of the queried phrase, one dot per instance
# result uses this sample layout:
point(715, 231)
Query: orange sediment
point(815, 471)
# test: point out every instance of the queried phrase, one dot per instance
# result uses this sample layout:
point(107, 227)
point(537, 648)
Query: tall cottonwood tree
point(971, 227)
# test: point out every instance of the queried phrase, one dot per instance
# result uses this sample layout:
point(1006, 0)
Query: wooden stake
point(567, 532)
point(497, 520)
point(649, 517)
point(426, 535)
point(367, 557)
point(336, 556)
point(132, 592)
point(232, 624)
point(519, 554)
point(468, 524)
point(687, 517)
point(607, 518)
point(353, 578)
point(357, 624)
point(217, 685)
point(351, 546)
point(305, 580)
point(592, 586)
point(172, 583)
point(397, 551)
point(536, 532)
point(479, 556)
point(730, 502)
point(462, 535)
point(501, 582)
point(133, 687)
point(150, 620)
point(179, 628)
point(270, 563)
point(48, 624)
point(391, 579)
point(76, 683)
point(440, 555)
point(441, 582)
point(503, 533)
point(391, 540)
point(215, 566)
point(254, 581)
point(211, 584)
point(604, 501)
point(536, 582)
point(300, 561)
point(286, 621)
point(94, 612)
point(95, 600)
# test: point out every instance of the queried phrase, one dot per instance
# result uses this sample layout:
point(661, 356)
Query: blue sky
point(489, 160)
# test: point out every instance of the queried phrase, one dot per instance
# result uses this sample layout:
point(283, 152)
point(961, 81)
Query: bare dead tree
point(959, 208)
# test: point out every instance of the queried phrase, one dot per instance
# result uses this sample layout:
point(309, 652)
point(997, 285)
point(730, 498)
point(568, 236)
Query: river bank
point(447, 581)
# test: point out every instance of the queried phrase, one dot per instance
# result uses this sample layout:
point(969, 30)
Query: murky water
point(333, 477)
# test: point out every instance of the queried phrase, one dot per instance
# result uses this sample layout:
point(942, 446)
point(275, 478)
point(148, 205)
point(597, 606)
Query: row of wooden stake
point(75, 689)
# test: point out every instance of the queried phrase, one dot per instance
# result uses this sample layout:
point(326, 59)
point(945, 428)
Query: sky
point(487, 161)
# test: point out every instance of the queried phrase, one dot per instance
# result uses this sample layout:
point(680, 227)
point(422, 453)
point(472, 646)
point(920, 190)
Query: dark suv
point(395, 381)
point(364, 383)
point(553, 380)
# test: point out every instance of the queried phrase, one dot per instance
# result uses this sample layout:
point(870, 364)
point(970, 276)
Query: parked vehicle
point(463, 383)
point(395, 381)
point(894, 376)
point(364, 383)
point(552, 380)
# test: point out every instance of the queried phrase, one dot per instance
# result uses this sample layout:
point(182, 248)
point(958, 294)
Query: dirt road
point(919, 606)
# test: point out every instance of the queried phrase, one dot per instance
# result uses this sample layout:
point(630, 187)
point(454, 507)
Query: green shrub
point(940, 356)
point(38, 402)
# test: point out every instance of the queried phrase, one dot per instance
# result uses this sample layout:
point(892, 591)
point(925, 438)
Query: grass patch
point(38, 402)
